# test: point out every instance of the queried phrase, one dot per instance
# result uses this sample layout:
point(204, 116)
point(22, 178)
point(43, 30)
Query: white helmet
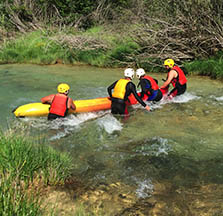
point(140, 72)
point(129, 72)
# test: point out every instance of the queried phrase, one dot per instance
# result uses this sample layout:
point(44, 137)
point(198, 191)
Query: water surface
point(167, 162)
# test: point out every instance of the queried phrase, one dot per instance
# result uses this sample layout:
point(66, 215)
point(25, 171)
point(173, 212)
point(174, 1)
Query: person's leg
point(118, 107)
point(114, 109)
point(164, 90)
point(52, 116)
point(159, 96)
point(181, 89)
point(178, 90)
point(173, 93)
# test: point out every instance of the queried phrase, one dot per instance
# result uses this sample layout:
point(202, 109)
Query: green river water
point(165, 162)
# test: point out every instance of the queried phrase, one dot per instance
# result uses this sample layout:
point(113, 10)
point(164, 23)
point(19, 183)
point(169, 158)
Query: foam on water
point(216, 100)
point(106, 120)
point(186, 97)
point(109, 123)
point(63, 126)
point(73, 122)
point(161, 147)
point(154, 147)
point(144, 189)
point(219, 98)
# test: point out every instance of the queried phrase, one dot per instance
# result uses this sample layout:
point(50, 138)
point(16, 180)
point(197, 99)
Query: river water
point(165, 162)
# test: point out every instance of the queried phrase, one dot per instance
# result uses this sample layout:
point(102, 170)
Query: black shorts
point(52, 116)
point(159, 96)
point(118, 106)
point(179, 89)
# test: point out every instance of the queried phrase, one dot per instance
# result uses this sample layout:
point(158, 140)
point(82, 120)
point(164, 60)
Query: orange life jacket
point(153, 83)
point(120, 89)
point(181, 78)
point(59, 105)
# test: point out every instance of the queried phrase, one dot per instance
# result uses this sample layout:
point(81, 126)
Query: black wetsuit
point(118, 106)
point(155, 95)
point(178, 90)
point(52, 116)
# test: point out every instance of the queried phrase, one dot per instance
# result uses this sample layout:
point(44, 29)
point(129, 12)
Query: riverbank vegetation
point(138, 33)
point(26, 169)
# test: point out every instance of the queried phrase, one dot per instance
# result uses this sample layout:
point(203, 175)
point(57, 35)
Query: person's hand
point(147, 107)
point(163, 87)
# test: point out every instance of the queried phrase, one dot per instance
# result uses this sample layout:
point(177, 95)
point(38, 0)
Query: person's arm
point(156, 81)
point(133, 90)
point(143, 87)
point(109, 89)
point(71, 104)
point(47, 99)
point(172, 75)
point(147, 87)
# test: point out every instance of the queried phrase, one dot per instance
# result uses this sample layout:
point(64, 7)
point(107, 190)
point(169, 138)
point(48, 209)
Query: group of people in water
point(120, 90)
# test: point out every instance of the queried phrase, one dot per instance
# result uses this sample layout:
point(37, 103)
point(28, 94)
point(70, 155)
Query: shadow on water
point(166, 162)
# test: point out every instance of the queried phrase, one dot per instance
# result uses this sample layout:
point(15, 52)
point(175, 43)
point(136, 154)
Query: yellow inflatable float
point(39, 109)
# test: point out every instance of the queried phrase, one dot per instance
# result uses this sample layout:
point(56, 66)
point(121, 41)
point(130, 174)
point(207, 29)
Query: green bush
point(212, 67)
point(122, 50)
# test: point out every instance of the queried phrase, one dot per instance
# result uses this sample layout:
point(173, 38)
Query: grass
point(212, 67)
point(117, 56)
point(112, 50)
point(25, 167)
point(39, 48)
point(34, 48)
point(13, 199)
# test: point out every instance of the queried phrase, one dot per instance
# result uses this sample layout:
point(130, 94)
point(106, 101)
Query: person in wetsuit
point(149, 86)
point(176, 77)
point(122, 89)
point(60, 103)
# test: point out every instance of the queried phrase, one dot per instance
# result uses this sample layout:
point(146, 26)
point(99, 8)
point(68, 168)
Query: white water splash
point(219, 98)
point(159, 147)
point(63, 126)
point(184, 98)
point(144, 189)
point(73, 122)
point(216, 100)
point(59, 135)
point(109, 123)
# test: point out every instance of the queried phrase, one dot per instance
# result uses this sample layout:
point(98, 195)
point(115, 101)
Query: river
point(165, 162)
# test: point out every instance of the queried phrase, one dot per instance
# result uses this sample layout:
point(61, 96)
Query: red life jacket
point(153, 83)
point(59, 105)
point(181, 78)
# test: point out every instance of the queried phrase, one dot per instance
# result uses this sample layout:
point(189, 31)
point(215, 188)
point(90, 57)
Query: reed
point(14, 200)
point(26, 167)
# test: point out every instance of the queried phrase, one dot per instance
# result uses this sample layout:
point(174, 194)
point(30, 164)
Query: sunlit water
point(178, 145)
